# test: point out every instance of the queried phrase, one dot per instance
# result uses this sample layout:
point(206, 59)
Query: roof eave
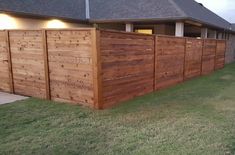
point(158, 20)
point(211, 25)
point(128, 20)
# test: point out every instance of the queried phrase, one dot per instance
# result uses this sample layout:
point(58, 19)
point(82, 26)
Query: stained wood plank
point(208, 56)
point(28, 63)
point(193, 58)
point(220, 54)
point(70, 55)
point(5, 64)
point(169, 61)
point(127, 66)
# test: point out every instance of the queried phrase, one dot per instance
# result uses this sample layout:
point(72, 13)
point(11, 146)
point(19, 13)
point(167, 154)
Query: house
point(168, 17)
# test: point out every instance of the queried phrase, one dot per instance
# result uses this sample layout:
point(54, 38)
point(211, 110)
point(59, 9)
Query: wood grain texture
point(28, 63)
point(5, 83)
point(127, 66)
point(220, 54)
point(97, 74)
point(71, 66)
point(169, 65)
point(208, 56)
point(193, 58)
point(12, 89)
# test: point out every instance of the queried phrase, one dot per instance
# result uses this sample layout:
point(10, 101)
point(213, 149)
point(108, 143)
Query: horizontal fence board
point(70, 66)
point(220, 54)
point(127, 66)
point(169, 61)
point(4, 64)
point(208, 57)
point(193, 58)
point(28, 63)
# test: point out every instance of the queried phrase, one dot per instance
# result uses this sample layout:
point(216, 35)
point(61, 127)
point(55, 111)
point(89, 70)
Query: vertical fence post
point(97, 72)
point(46, 64)
point(8, 47)
point(185, 48)
point(215, 55)
point(154, 63)
point(225, 50)
point(203, 47)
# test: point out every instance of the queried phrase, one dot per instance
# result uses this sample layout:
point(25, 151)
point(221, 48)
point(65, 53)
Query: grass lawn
point(197, 117)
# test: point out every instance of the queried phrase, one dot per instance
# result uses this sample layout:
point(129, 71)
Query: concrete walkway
point(9, 98)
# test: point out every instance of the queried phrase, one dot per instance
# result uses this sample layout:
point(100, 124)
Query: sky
point(224, 8)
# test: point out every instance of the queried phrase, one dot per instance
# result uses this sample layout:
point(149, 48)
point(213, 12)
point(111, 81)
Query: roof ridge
point(178, 8)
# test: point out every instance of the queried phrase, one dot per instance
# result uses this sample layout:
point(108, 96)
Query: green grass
point(196, 117)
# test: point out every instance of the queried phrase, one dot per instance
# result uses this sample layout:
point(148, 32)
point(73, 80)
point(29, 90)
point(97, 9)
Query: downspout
point(87, 3)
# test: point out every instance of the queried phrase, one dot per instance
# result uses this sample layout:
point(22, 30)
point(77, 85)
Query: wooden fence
point(127, 66)
point(99, 68)
point(169, 61)
point(193, 58)
point(49, 64)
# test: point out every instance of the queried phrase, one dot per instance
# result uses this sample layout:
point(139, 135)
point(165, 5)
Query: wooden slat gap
point(46, 64)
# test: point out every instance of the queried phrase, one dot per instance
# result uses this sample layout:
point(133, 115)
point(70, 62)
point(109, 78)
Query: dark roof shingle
point(133, 10)
point(111, 10)
point(198, 12)
point(71, 9)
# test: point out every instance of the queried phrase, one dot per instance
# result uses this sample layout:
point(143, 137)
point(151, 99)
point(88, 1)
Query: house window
point(144, 31)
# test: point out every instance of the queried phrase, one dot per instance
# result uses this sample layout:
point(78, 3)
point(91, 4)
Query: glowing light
point(55, 23)
point(144, 31)
point(7, 22)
